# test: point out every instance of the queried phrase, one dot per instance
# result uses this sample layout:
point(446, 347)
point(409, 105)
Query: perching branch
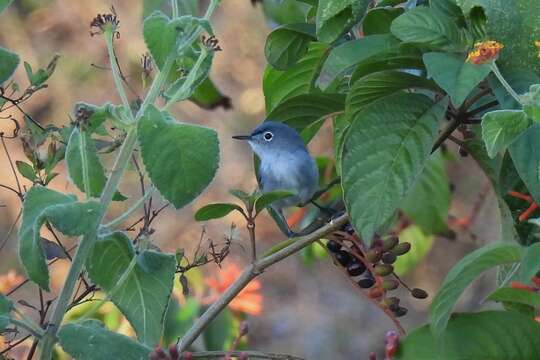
point(252, 271)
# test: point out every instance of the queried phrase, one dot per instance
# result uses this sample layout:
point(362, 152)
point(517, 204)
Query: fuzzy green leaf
point(5, 308)
point(268, 198)
point(215, 211)
point(501, 128)
point(525, 154)
point(8, 63)
point(144, 295)
point(181, 159)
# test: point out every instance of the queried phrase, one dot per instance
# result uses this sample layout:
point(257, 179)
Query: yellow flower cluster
point(485, 52)
point(537, 44)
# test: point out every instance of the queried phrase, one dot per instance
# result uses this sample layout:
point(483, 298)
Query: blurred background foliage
point(304, 306)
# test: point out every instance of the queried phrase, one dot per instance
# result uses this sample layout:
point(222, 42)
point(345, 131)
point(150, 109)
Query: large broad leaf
point(89, 340)
point(96, 173)
point(144, 294)
point(493, 335)
point(5, 308)
point(334, 17)
point(455, 75)
point(389, 60)
point(501, 128)
point(421, 244)
point(427, 26)
point(515, 24)
point(525, 154)
point(381, 84)
point(530, 264)
point(345, 56)
point(287, 44)
point(462, 274)
point(428, 202)
point(378, 21)
point(279, 85)
point(8, 63)
point(181, 159)
point(62, 211)
point(385, 150)
point(302, 111)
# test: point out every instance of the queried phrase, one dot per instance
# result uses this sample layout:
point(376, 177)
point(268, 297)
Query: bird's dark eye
point(268, 136)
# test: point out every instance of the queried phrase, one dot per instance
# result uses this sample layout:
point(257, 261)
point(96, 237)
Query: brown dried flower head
point(105, 22)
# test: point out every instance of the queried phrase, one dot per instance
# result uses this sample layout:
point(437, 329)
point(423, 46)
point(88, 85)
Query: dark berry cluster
point(372, 268)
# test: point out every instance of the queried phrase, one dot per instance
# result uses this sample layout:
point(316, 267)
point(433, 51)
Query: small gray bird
point(285, 164)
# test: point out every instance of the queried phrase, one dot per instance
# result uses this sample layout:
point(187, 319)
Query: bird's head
point(271, 137)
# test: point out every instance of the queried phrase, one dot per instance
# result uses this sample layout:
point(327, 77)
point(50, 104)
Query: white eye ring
point(268, 136)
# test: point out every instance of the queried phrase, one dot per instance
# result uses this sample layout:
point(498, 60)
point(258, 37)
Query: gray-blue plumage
point(285, 162)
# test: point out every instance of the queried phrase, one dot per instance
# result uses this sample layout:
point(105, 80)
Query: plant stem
point(116, 73)
point(251, 272)
point(504, 83)
point(84, 163)
point(125, 215)
point(174, 6)
point(251, 231)
point(28, 326)
point(211, 8)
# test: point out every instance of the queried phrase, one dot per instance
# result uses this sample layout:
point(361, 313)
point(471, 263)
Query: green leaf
point(5, 308)
point(501, 128)
point(26, 170)
point(530, 264)
point(531, 102)
point(462, 274)
point(4, 4)
point(525, 154)
point(428, 202)
point(144, 295)
point(288, 43)
point(428, 27)
point(179, 318)
point(520, 296)
point(389, 60)
point(378, 21)
point(221, 331)
point(514, 23)
point(8, 63)
point(299, 112)
point(208, 96)
point(96, 173)
point(399, 129)
point(493, 335)
point(455, 75)
point(335, 17)
point(215, 211)
point(519, 80)
point(449, 9)
point(279, 85)
point(421, 244)
point(63, 212)
point(181, 159)
point(89, 340)
point(268, 198)
point(379, 85)
point(345, 56)
point(285, 11)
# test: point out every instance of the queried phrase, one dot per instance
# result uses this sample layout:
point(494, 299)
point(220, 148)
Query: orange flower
point(9, 281)
point(485, 52)
point(248, 301)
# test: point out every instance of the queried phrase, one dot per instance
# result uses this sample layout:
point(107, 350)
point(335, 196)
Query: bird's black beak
point(242, 137)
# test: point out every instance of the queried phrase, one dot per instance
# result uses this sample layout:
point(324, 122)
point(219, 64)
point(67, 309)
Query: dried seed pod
point(419, 293)
point(383, 269)
point(388, 257)
point(374, 255)
point(333, 246)
point(390, 242)
point(356, 268)
point(390, 284)
point(401, 311)
point(343, 257)
point(402, 248)
point(366, 283)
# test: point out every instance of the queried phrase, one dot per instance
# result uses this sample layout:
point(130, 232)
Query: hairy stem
point(174, 6)
point(505, 83)
point(84, 163)
point(116, 72)
point(251, 272)
point(125, 215)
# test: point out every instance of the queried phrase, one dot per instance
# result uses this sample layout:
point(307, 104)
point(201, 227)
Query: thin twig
point(252, 271)
point(11, 228)
point(11, 165)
